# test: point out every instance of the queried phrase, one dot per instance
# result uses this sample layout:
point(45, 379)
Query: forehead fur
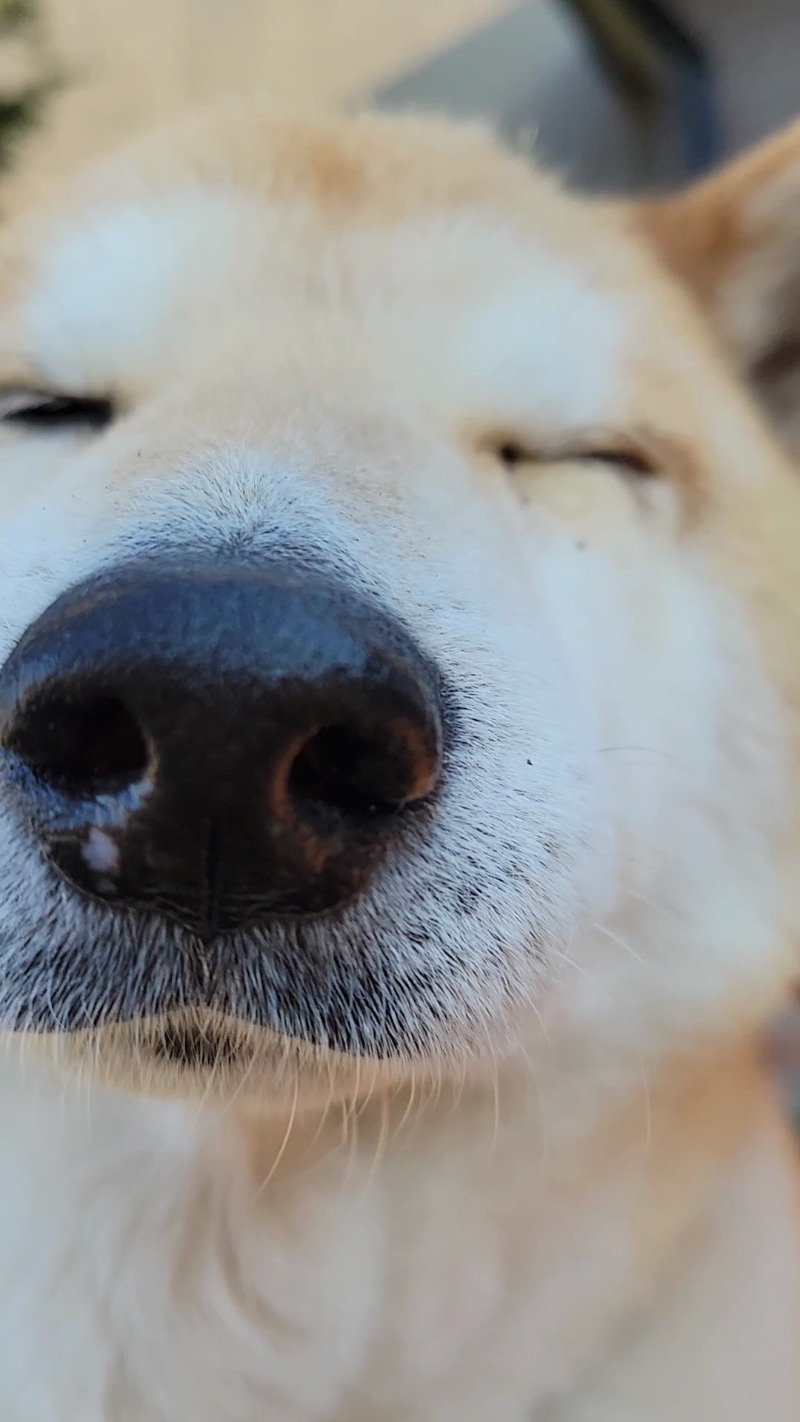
point(406, 247)
point(375, 166)
point(403, 253)
point(345, 237)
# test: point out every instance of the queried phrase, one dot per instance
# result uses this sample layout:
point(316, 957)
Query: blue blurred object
point(616, 93)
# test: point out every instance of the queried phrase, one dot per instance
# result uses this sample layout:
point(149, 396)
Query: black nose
point(218, 744)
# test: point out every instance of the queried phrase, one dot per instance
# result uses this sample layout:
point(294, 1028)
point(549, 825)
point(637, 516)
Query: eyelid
point(33, 406)
point(640, 455)
point(14, 398)
point(635, 455)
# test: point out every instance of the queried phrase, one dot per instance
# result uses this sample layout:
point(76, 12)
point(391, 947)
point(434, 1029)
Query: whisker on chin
point(621, 943)
point(655, 751)
point(282, 1148)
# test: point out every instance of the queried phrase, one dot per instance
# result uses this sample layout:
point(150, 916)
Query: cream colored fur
point(580, 1206)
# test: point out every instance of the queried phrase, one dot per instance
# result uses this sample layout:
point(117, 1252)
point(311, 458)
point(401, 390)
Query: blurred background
point(619, 93)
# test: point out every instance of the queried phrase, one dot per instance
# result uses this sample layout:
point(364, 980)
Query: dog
point(400, 708)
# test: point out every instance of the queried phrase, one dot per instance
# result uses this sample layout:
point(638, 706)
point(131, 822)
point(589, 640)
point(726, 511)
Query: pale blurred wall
point(132, 63)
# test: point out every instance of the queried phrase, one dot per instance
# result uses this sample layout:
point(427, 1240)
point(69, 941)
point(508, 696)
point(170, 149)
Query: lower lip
point(194, 1049)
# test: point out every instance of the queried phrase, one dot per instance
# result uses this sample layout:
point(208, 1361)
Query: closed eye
point(630, 461)
point(52, 410)
point(629, 458)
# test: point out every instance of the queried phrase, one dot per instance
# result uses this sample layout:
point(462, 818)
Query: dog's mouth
point(197, 1048)
point(219, 1060)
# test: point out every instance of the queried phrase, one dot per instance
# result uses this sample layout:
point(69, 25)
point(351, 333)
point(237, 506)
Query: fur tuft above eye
point(52, 410)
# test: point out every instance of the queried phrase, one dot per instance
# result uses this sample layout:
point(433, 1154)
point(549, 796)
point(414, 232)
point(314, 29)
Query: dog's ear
point(734, 240)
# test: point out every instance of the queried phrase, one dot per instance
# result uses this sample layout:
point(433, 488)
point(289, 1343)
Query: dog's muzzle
point(218, 744)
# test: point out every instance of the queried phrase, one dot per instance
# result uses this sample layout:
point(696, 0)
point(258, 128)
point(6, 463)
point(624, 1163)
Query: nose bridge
point(274, 443)
point(231, 473)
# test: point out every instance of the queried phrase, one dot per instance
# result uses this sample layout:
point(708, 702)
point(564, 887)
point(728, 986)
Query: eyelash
point(39, 409)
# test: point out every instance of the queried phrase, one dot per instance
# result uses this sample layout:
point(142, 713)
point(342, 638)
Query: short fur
point(496, 1142)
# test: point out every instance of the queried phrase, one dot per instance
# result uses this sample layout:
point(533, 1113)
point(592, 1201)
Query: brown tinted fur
point(703, 234)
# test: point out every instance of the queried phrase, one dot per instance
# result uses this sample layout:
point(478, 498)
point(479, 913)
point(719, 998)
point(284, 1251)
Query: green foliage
point(22, 109)
point(17, 15)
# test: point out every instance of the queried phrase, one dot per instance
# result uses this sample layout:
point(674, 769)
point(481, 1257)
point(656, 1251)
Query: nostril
point(361, 773)
point(83, 746)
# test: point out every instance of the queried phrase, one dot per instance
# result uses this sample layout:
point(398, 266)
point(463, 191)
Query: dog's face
point(398, 593)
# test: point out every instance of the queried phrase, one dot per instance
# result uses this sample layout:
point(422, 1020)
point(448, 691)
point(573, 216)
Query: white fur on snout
point(474, 911)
